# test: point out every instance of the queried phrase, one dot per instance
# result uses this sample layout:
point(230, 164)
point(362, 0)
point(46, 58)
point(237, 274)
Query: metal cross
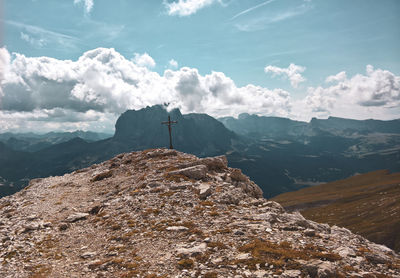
point(169, 123)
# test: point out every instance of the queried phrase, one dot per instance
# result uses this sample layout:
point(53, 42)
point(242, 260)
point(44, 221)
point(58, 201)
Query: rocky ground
point(162, 213)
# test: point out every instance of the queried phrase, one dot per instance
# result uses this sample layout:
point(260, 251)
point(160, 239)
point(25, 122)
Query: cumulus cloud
point(187, 7)
point(374, 93)
point(144, 60)
point(4, 62)
point(103, 82)
point(293, 73)
point(89, 93)
point(341, 76)
point(173, 64)
point(88, 4)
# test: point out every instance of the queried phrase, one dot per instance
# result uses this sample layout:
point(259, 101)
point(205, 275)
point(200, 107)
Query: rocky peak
point(142, 129)
point(163, 213)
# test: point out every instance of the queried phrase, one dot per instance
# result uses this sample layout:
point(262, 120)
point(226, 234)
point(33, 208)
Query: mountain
point(363, 127)
point(163, 213)
point(199, 134)
point(281, 155)
point(259, 126)
point(32, 142)
point(283, 128)
point(11, 171)
point(366, 204)
point(284, 155)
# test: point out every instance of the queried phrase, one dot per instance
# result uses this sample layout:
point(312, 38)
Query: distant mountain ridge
point(276, 127)
point(32, 142)
point(281, 155)
point(198, 134)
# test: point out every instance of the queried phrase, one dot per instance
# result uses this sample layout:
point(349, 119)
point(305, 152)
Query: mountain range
point(279, 154)
point(32, 142)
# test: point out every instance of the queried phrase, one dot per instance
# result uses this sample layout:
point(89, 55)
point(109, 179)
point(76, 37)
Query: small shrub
point(216, 244)
point(185, 264)
point(214, 213)
point(167, 194)
point(211, 275)
point(207, 203)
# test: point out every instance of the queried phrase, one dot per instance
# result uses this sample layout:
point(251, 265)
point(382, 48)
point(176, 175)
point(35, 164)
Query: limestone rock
point(205, 190)
point(87, 255)
point(203, 219)
point(76, 217)
point(237, 175)
point(217, 163)
point(376, 258)
point(202, 247)
point(195, 172)
point(177, 228)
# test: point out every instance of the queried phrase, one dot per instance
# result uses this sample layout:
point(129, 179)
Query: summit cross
point(170, 123)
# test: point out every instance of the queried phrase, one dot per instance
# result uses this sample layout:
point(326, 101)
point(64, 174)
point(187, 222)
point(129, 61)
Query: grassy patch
point(354, 203)
point(185, 264)
point(266, 252)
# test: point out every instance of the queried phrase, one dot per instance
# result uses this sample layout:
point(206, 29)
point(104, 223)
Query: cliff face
point(198, 134)
point(163, 213)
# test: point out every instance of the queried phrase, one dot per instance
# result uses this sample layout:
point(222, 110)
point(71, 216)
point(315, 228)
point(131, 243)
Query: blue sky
point(250, 42)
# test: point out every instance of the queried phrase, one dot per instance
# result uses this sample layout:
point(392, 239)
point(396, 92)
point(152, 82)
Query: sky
point(78, 64)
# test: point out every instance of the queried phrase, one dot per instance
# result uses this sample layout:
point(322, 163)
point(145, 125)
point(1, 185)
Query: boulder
point(198, 249)
point(205, 190)
point(177, 228)
point(76, 217)
point(237, 175)
point(195, 172)
point(215, 163)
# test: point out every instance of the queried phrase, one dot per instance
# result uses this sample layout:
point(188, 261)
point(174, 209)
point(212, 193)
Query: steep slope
point(198, 134)
point(366, 204)
point(162, 213)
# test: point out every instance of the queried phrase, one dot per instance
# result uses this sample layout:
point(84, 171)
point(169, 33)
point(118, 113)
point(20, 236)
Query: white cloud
point(252, 8)
point(5, 59)
point(362, 96)
point(273, 16)
point(144, 60)
point(187, 7)
point(341, 76)
point(173, 64)
point(40, 42)
point(88, 4)
point(39, 36)
point(103, 82)
point(293, 73)
point(4, 62)
point(43, 94)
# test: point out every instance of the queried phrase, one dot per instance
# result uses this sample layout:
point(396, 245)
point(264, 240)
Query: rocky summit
point(163, 213)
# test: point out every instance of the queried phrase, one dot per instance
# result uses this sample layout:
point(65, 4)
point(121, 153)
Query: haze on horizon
point(78, 64)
